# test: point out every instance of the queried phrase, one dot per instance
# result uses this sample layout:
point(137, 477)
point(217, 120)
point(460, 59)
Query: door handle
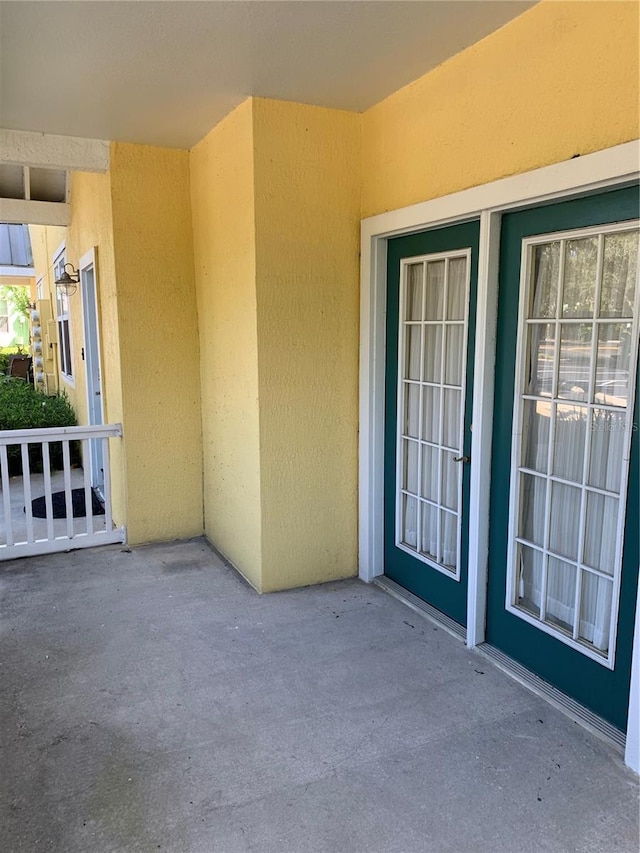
point(462, 459)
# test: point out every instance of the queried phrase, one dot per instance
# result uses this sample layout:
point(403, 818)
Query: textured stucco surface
point(159, 352)
point(307, 196)
point(222, 196)
point(560, 80)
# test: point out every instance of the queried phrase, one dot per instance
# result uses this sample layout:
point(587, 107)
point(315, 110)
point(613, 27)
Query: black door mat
point(39, 509)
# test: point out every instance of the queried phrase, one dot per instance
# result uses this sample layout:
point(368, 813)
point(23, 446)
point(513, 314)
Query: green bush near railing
point(22, 407)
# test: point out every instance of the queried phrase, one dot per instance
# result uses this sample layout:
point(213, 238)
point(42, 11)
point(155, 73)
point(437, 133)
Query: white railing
point(22, 534)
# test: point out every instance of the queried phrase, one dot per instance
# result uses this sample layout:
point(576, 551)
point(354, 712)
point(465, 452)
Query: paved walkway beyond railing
point(21, 533)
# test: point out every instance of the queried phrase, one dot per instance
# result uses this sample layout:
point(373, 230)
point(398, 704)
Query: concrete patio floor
point(150, 700)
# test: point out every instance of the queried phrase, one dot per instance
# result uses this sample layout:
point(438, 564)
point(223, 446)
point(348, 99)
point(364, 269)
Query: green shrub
point(22, 407)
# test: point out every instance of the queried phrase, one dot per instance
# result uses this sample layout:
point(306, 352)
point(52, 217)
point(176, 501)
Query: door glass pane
point(541, 353)
point(429, 536)
point(580, 265)
point(410, 466)
point(595, 610)
point(600, 532)
point(412, 409)
point(431, 413)
point(565, 520)
point(435, 290)
point(575, 361)
point(561, 594)
point(619, 274)
point(453, 354)
point(432, 353)
point(412, 355)
point(607, 443)
point(612, 366)
point(430, 468)
point(452, 415)
point(409, 521)
point(449, 528)
point(450, 474)
point(414, 292)
point(533, 502)
point(546, 272)
point(529, 579)
point(457, 289)
point(432, 345)
point(535, 434)
point(584, 414)
point(569, 439)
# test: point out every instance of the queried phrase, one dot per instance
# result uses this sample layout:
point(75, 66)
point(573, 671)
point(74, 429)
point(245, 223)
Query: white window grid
point(521, 397)
point(403, 494)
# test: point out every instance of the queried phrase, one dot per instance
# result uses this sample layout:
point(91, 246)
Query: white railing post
point(25, 534)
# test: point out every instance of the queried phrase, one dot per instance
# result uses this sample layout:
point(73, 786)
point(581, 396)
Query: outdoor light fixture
point(68, 282)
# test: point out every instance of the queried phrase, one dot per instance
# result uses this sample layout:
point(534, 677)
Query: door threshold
point(572, 709)
point(421, 607)
point(568, 706)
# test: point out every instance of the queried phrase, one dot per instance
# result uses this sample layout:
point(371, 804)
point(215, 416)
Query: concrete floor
point(152, 701)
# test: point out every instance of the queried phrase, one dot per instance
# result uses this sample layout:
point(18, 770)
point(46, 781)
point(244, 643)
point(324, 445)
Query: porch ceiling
point(164, 73)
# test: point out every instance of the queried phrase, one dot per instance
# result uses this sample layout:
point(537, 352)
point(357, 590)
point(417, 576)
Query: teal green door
point(564, 509)
point(431, 299)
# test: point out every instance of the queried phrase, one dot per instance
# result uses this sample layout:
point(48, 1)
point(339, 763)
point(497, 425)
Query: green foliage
point(22, 407)
point(17, 297)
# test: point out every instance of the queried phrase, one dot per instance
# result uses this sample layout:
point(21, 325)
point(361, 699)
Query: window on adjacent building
point(64, 324)
point(4, 316)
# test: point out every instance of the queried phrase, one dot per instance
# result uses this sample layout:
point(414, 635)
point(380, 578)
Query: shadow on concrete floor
point(151, 701)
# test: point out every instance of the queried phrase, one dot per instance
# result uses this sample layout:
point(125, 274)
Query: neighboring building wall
point(17, 332)
point(307, 201)
point(560, 80)
point(158, 334)
point(45, 243)
point(222, 194)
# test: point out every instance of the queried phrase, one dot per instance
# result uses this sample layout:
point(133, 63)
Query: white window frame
point(528, 244)
point(611, 168)
point(416, 553)
point(59, 260)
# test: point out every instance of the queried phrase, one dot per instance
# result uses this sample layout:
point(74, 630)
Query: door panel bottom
point(421, 607)
point(577, 712)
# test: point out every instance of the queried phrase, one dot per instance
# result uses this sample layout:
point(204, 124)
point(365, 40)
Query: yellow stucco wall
point(307, 198)
point(158, 333)
point(222, 195)
point(561, 79)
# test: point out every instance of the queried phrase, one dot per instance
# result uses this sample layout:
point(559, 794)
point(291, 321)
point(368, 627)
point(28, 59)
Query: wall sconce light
point(68, 282)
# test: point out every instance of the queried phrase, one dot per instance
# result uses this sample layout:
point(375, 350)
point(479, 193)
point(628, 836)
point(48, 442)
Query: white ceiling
point(164, 73)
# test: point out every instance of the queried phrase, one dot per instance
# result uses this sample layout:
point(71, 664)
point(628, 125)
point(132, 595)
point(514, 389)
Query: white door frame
point(88, 262)
point(610, 168)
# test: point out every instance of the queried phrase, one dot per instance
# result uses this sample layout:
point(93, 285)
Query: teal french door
point(564, 507)
point(431, 301)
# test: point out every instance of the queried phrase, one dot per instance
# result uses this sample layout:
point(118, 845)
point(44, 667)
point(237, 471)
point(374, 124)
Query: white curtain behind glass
point(588, 438)
point(434, 346)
